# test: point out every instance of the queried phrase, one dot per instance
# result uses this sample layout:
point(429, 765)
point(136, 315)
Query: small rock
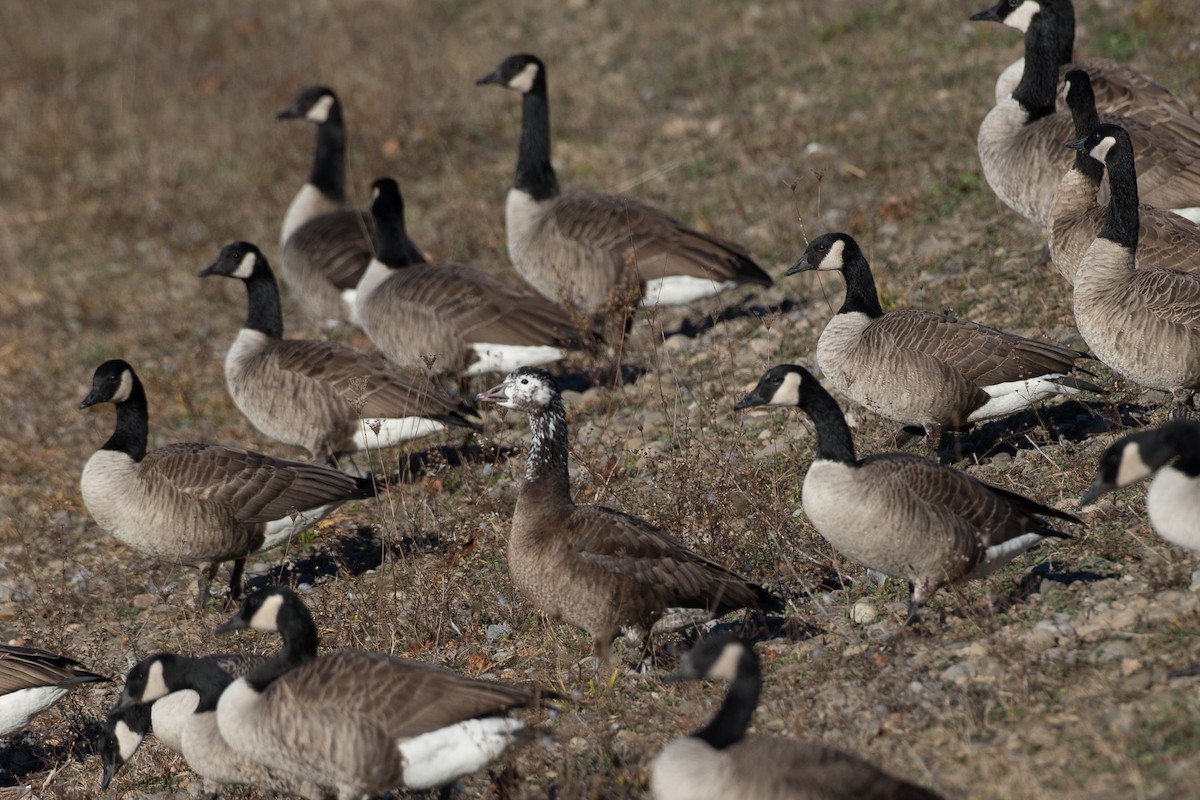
point(1001, 460)
point(961, 672)
point(496, 631)
point(144, 601)
point(863, 612)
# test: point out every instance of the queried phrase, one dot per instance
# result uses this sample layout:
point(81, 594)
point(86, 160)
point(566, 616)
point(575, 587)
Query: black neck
point(834, 442)
point(546, 464)
point(133, 424)
point(137, 718)
point(1183, 438)
point(393, 247)
point(1058, 17)
point(861, 295)
point(1121, 222)
point(535, 174)
point(206, 678)
point(299, 634)
point(329, 164)
point(1039, 81)
point(1082, 102)
point(729, 725)
point(265, 313)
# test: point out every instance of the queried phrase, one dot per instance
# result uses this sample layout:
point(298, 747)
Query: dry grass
point(138, 140)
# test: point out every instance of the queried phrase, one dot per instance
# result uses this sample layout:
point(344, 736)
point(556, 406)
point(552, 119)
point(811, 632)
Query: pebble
point(496, 631)
point(781, 447)
point(144, 601)
point(863, 612)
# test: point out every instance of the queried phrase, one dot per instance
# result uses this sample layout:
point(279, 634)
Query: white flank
point(350, 301)
point(679, 290)
point(393, 431)
point(1173, 503)
point(1192, 213)
point(1002, 555)
point(376, 273)
point(1013, 396)
point(507, 357)
point(17, 708)
point(442, 756)
point(280, 530)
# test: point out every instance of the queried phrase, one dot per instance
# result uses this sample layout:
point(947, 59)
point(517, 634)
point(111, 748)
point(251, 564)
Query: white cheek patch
point(319, 112)
point(1100, 151)
point(835, 258)
point(725, 667)
point(788, 393)
point(124, 388)
point(156, 684)
point(523, 80)
point(128, 740)
point(245, 267)
point(266, 618)
point(1022, 18)
point(1133, 467)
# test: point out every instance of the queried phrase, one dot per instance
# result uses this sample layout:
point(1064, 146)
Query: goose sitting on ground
point(923, 368)
point(359, 721)
point(327, 398)
point(600, 253)
point(1165, 239)
point(902, 515)
point(1143, 323)
point(193, 503)
point(595, 567)
point(1171, 453)
point(325, 247)
point(451, 318)
point(718, 762)
point(32, 680)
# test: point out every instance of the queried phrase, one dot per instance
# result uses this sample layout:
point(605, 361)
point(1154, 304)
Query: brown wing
point(1172, 297)
point(792, 768)
point(338, 244)
point(29, 668)
point(1123, 91)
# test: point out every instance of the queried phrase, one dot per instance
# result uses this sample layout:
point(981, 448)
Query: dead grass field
point(138, 139)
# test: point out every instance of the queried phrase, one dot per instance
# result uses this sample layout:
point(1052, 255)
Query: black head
point(148, 680)
point(523, 73)
point(830, 251)
point(264, 610)
point(1082, 102)
point(1139, 455)
point(779, 386)
point(386, 199)
point(1013, 13)
point(720, 657)
point(120, 738)
point(237, 260)
point(527, 389)
point(1104, 140)
point(112, 382)
point(316, 103)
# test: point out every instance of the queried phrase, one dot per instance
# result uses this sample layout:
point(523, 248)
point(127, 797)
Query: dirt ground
point(139, 139)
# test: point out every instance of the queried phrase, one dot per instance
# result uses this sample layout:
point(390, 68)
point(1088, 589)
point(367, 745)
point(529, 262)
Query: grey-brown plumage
point(1165, 239)
point(32, 680)
point(191, 503)
point(325, 397)
point(453, 317)
point(1143, 323)
point(718, 762)
point(596, 252)
point(1020, 141)
point(595, 567)
point(925, 368)
point(325, 247)
point(902, 515)
point(360, 721)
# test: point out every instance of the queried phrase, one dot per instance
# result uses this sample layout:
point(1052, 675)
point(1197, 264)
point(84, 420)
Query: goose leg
point(235, 579)
point(205, 580)
point(1183, 404)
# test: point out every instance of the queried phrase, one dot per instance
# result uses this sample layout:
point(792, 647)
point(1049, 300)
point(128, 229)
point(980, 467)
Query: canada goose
point(595, 567)
point(1019, 142)
point(1144, 323)
point(127, 725)
point(198, 503)
point(600, 252)
point(1171, 453)
point(1165, 239)
point(900, 514)
point(327, 398)
point(924, 368)
point(360, 721)
point(32, 680)
point(206, 752)
point(468, 321)
point(718, 762)
point(325, 247)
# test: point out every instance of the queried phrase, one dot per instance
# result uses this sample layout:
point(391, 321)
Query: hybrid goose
point(595, 567)
point(1020, 142)
point(192, 503)
point(601, 253)
point(32, 680)
point(361, 722)
point(1171, 453)
point(902, 515)
point(451, 318)
point(1143, 323)
point(327, 398)
point(1165, 239)
point(718, 761)
point(923, 368)
point(326, 247)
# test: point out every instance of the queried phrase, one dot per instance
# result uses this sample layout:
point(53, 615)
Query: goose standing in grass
point(595, 567)
point(601, 253)
point(926, 369)
point(718, 761)
point(1143, 323)
point(327, 398)
point(325, 246)
point(208, 754)
point(1020, 142)
point(451, 318)
point(1171, 453)
point(190, 503)
point(32, 680)
point(1165, 239)
point(359, 721)
point(126, 726)
point(902, 515)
